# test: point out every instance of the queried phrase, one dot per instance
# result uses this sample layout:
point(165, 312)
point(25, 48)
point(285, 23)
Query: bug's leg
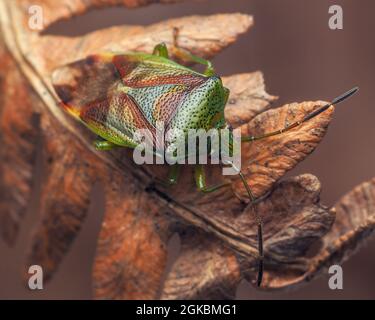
point(185, 55)
point(174, 172)
point(200, 180)
point(103, 145)
point(304, 119)
point(161, 50)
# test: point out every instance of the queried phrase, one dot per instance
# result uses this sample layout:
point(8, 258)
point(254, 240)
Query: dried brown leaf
point(54, 11)
point(267, 160)
point(205, 269)
point(294, 220)
point(18, 137)
point(131, 253)
point(70, 175)
point(354, 224)
point(248, 97)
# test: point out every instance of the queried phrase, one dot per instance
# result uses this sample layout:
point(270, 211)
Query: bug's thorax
point(203, 107)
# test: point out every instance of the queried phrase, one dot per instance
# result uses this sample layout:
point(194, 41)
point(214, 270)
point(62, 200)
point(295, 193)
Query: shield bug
point(114, 95)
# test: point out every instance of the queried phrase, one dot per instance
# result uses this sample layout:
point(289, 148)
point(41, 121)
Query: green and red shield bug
point(114, 95)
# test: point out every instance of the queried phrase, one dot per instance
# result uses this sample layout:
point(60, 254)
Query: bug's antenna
point(307, 117)
point(258, 221)
point(335, 101)
point(260, 231)
point(345, 95)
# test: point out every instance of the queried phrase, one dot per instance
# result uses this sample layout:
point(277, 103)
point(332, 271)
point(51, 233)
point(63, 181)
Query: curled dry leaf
point(265, 161)
point(18, 138)
point(197, 34)
point(293, 221)
point(132, 246)
point(216, 229)
point(354, 223)
point(70, 173)
point(247, 97)
point(54, 11)
point(216, 272)
point(297, 221)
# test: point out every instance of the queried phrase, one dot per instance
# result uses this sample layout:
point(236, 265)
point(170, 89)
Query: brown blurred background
point(302, 59)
